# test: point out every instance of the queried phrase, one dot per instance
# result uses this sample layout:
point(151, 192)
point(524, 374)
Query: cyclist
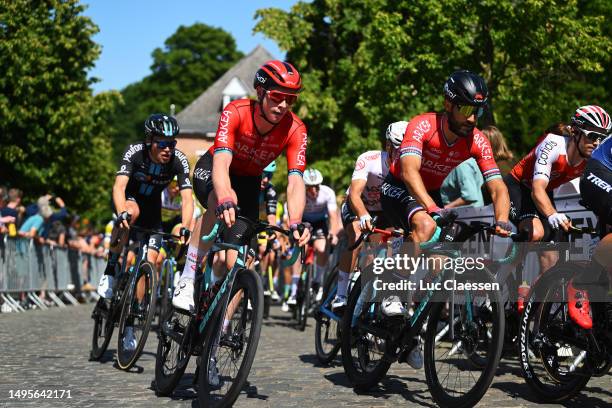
point(321, 207)
point(596, 192)
point(434, 144)
point(145, 170)
point(251, 134)
point(556, 160)
point(363, 201)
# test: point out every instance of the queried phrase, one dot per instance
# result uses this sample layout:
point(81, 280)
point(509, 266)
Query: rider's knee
point(423, 226)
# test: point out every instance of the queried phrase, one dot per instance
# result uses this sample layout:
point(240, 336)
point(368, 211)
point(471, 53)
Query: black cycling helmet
point(466, 88)
point(160, 124)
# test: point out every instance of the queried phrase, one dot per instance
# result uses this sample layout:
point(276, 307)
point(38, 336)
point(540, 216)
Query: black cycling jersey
point(148, 179)
point(270, 198)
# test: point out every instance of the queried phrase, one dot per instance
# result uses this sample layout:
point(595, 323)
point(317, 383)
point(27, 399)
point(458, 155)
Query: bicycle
point(239, 298)
point(474, 327)
point(558, 357)
point(122, 310)
point(304, 291)
point(327, 328)
point(165, 289)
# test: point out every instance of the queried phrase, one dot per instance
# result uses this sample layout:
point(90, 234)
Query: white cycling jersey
point(317, 209)
point(373, 167)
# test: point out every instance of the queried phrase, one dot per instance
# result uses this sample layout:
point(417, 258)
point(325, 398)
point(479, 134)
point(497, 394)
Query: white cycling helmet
point(312, 177)
point(395, 133)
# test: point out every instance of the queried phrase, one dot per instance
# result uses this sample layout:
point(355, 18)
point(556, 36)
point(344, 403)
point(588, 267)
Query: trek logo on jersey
point(301, 154)
point(599, 183)
point(420, 130)
point(547, 147)
point(223, 126)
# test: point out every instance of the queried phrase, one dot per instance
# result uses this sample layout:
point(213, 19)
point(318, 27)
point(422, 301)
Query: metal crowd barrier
point(27, 267)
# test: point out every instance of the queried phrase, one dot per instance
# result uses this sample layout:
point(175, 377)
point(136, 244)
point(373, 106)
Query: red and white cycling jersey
point(371, 166)
point(252, 152)
point(424, 137)
point(548, 161)
point(318, 208)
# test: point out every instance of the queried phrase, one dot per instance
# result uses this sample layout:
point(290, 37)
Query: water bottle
point(523, 292)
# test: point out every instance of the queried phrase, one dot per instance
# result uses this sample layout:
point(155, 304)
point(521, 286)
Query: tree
point(192, 59)
point(370, 62)
point(55, 134)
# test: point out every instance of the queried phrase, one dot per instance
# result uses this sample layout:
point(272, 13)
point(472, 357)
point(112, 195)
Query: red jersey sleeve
point(483, 154)
point(296, 149)
point(417, 131)
point(229, 123)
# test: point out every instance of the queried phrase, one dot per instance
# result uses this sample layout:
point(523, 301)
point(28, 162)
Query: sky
point(131, 29)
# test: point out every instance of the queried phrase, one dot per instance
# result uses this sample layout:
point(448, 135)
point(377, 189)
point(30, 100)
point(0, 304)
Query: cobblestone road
point(41, 350)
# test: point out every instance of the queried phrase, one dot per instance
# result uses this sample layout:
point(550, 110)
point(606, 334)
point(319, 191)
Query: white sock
point(294, 285)
point(225, 324)
point(194, 255)
point(343, 280)
point(319, 273)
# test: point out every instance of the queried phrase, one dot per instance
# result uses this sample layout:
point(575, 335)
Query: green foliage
point(367, 63)
point(54, 132)
point(191, 60)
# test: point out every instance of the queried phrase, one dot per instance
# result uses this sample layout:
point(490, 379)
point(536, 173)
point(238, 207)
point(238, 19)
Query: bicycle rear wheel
point(478, 329)
point(327, 330)
point(137, 314)
point(234, 348)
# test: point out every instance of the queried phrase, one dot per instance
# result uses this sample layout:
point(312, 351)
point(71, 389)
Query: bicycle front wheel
point(553, 366)
point(327, 342)
point(304, 302)
point(229, 352)
point(103, 329)
point(136, 315)
point(477, 319)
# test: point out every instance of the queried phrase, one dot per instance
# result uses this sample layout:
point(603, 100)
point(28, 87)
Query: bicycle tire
point(361, 378)
point(536, 311)
point(166, 379)
point(490, 307)
point(166, 292)
point(305, 303)
point(248, 282)
point(326, 326)
point(125, 358)
point(103, 323)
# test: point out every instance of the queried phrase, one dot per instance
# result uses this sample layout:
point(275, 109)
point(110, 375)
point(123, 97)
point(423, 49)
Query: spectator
point(502, 154)
point(5, 217)
point(55, 223)
point(463, 186)
point(32, 225)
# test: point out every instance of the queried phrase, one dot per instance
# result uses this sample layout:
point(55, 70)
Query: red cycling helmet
point(278, 75)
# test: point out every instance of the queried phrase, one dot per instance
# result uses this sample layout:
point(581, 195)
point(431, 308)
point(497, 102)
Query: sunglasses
point(592, 135)
point(267, 175)
point(278, 97)
point(162, 144)
point(469, 110)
